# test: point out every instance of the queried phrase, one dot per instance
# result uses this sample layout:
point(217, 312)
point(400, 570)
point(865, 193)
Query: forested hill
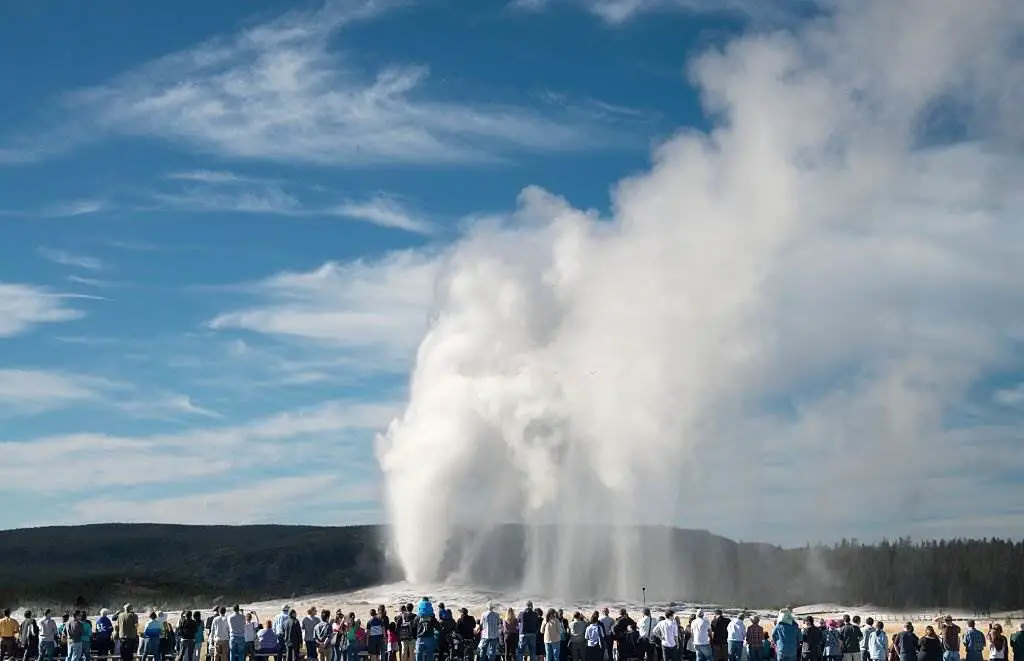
point(197, 565)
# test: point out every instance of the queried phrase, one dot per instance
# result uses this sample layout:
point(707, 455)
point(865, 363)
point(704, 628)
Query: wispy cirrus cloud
point(385, 211)
point(215, 177)
point(376, 309)
point(620, 11)
point(74, 208)
point(65, 258)
point(279, 92)
point(24, 306)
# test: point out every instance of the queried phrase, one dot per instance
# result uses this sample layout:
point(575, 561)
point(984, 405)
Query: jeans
point(187, 650)
point(553, 651)
point(237, 649)
point(754, 653)
point(75, 651)
point(671, 653)
point(47, 648)
point(426, 647)
point(735, 650)
point(488, 649)
point(311, 650)
point(950, 656)
point(527, 646)
point(150, 649)
point(704, 653)
point(973, 656)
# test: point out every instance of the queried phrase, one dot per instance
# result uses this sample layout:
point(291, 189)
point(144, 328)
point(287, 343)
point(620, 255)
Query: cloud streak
point(278, 92)
point(69, 259)
point(23, 307)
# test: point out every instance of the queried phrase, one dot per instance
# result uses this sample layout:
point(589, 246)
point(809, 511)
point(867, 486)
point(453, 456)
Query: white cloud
point(68, 259)
point(24, 391)
point(779, 327)
point(74, 208)
point(376, 308)
point(264, 200)
point(278, 500)
point(384, 211)
point(278, 92)
point(22, 307)
point(126, 461)
point(620, 11)
point(214, 177)
point(1013, 397)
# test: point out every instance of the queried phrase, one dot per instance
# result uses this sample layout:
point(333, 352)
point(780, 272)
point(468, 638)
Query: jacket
point(291, 633)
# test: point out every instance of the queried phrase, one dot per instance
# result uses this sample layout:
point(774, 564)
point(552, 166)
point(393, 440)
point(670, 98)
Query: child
point(392, 639)
point(767, 650)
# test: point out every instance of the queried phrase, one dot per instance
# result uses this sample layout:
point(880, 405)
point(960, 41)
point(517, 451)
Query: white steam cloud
point(850, 231)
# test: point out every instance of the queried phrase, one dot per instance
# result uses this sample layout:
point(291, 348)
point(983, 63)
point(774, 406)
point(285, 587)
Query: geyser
point(847, 231)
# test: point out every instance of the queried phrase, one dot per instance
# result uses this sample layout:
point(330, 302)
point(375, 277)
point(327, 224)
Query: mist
point(766, 336)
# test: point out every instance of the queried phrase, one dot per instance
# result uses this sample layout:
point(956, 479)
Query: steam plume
point(849, 231)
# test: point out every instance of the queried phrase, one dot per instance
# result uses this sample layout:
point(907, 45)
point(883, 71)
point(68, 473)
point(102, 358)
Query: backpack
point(405, 630)
point(830, 642)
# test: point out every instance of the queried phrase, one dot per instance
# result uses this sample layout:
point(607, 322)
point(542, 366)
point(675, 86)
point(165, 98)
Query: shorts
point(375, 645)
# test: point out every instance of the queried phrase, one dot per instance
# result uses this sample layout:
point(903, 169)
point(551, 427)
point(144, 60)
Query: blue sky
point(220, 225)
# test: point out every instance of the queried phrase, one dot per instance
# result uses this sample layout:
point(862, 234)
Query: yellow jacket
point(9, 628)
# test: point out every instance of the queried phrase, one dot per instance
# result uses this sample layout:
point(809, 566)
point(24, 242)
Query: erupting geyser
point(839, 233)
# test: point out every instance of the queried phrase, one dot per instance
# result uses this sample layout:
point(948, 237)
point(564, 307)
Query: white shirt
point(736, 630)
point(646, 626)
point(279, 623)
point(701, 630)
point(490, 626)
point(250, 631)
point(219, 629)
point(668, 631)
point(236, 624)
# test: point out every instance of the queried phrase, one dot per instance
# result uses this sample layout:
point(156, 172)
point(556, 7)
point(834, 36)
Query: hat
point(785, 617)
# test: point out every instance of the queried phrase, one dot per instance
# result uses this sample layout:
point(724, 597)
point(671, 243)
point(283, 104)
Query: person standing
point(126, 630)
point(29, 637)
point(950, 634)
point(1017, 643)
point(490, 633)
point(786, 636)
point(907, 643)
point(75, 632)
point(236, 634)
point(850, 635)
point(646, 630)
point(529, 628)
point(47, 636)
point(974, 642)
point(878, 644)
point(701, 630)
point(426, 630)
point(735, 635)
point(754, 639)
point(309, 623)
point(406, 632)
point(593, 635)
point(291, 632)
point(9, 631)
point(667, 630)
point(220, 635)
point(103, 634)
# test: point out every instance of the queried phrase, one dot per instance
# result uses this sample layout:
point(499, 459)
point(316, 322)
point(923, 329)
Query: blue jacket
point(424, 608)
point(787, 638)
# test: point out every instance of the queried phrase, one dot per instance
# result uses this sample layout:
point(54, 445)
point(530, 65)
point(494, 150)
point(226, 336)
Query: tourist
point(865, 639)
point(103, 632)
point(291, 635)
point(907, 643)
point(236, 634)
point(540, 651)
point(151, 635)
point(720, 636)
point(850, 635)
point(878, 643)
point(929, 646)
point(687, 650)
point(186, 637)
point(200, 638)
point(9, 631)
point(1017, 643)
point(646, 629)
point(578, 638)
point(552, 633)
point(607, 624)
point(667, 630)
point(47, 637)
point(529, 627)
point(220, 635)
point(309, 622)
point(426, 631)
point(510, 634)
point(374, 636)
point(593, 635)
point(322, 637)
point(753, 638)
point(406, 632)
point(701, 630)
point(974, 642)
point(786, 637)
point(735, 635)
point(28, 636)
point(950, 634)
point(490, 634)
point(267, 641)
point(998, 648)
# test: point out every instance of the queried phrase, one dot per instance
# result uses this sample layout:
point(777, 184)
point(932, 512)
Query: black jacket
point(291, 633)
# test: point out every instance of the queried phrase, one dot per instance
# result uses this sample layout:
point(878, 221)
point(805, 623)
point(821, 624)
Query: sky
point(221, 228)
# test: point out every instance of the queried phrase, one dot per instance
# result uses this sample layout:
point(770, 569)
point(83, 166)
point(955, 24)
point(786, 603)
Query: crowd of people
point(423, 633)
